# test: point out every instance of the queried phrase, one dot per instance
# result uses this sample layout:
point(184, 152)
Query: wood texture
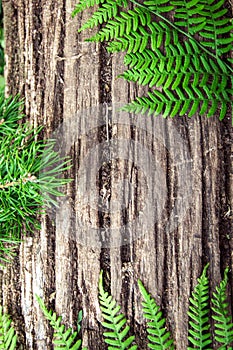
point(150, 198)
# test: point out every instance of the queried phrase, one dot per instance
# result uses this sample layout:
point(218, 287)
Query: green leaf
point(84, 4)
point(223, 322)
point(158, 336)
point(118, 337)
point(63, 337)
point(8, 337)
point(158, 58)
point(199, 324)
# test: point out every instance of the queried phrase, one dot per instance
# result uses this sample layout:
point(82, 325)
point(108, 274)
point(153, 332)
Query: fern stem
point(180, 31)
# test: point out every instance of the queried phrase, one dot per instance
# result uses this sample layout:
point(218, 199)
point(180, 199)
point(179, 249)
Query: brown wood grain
point(150, 198)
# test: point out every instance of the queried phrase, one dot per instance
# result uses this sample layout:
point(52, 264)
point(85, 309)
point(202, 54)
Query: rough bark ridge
point(150, 199)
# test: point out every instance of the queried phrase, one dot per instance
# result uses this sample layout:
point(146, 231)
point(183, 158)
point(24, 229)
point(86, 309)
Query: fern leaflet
point(8, 338)
point(188, 15)
point(159, 6)
point(158, 336)
point(138, 41)
point(154, 49)
point(114, 321)
point(218, 31)
point(168, 104)
point(177, 59)
point(223, 322)
point(199, 324)
point(63, 338)
point(108, 10)
point(84, 4)
point(123, 24)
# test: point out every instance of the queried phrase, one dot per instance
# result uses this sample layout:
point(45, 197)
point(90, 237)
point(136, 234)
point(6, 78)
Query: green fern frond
point(84, 4)
point(181, 69)
point(168, 104)
point(63, 338)
point(205, 48)
point(222, 320)
point(114, 322)
point(123, 24)
point(188, 15)
point(108, 10)
point(199, 325)
point(193, 76)
point(172, 81)
point(8, 337)
point(140, 40)
point(134, 32)
point(178, 59)
point(158, 336)
point(218, 30)
point(159, 6)
point(203, 90)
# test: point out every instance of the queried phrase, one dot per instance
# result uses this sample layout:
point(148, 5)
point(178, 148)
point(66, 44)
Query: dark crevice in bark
point(105, 75)
point(71, 173)
point(58, 95)
point(38, 57)
point(177, 261)
point(75, 298)
point(37, 39)
point(168, 209)
point(34, 344)
point(50, 287)
point(105, 265)
point(227, 171)
point(125, 289)
point(12, 48)
point(13, 305)
point(105, 135)
point(59, 81)
point(205, 224)
point(226, 203)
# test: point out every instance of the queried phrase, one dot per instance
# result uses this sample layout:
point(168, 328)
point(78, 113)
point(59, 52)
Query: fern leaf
point(177, 59)
point(123, 24)
point(79, 320)
point(158, 336)
point(62, 337)
point(192, 75)
point(217, 32)
point(168, 104)
point(222, 320)
point(130, 28)
point(159, 35)
point(84, 4)
point(8, 337)
point(138, 41)
point(115, 322)
point(159, 6)
point(199, 324)
point(168, 79)
point(108, 11)
point(188, 15)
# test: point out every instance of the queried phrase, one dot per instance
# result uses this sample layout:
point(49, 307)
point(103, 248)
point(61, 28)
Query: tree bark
point(150, 198)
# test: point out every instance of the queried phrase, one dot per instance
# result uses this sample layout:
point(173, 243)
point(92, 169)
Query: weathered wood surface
point(151, 199)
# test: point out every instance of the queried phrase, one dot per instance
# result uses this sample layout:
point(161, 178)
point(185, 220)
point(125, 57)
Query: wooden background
point(150, 198)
